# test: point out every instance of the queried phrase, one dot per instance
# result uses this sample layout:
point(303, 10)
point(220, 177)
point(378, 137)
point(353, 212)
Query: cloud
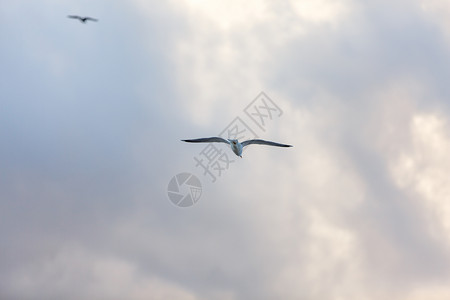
point(94, 114)
point(422, 168)
point(74, 273)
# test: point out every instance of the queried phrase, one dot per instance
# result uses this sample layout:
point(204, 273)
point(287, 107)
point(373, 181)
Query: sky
point(91, 118)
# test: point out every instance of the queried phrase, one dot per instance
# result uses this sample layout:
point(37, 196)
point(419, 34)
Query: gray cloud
point(90, 128)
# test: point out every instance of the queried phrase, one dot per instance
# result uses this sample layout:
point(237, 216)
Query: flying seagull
point(235, 145)
point(82, 19)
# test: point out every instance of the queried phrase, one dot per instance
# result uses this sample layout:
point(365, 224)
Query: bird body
point(234, 144)
point(82, 19)
point(236, 147)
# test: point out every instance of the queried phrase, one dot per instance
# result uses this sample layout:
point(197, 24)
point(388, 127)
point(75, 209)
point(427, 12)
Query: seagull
point(82, 19)
point(235, 145)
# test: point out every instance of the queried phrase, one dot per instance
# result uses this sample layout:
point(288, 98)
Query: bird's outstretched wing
point(208, 140)
point(74, 17)
point(91, 19)
point(263, 142)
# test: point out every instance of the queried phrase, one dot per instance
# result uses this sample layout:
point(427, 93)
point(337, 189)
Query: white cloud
point(224, 56)
point(322, 11)
point(423, 169)
point(355, 210)
point(430, 292)
point(72, 272)
point(437, 12)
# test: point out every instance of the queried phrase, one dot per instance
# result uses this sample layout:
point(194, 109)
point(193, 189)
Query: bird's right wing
point(208, 140)
point(91, 19)
point(73, 17)
point(263, 142)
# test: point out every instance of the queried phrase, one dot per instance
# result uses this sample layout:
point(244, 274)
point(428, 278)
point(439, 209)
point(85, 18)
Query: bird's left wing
point(208, 140)
point(263, 142)
point(91, 19)
point(73, 17)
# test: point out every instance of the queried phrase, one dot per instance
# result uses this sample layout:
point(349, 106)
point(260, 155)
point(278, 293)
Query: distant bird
point(235, 145)
point(82, 19)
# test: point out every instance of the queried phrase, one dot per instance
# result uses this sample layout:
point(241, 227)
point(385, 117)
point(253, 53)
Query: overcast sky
point(91, 118)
